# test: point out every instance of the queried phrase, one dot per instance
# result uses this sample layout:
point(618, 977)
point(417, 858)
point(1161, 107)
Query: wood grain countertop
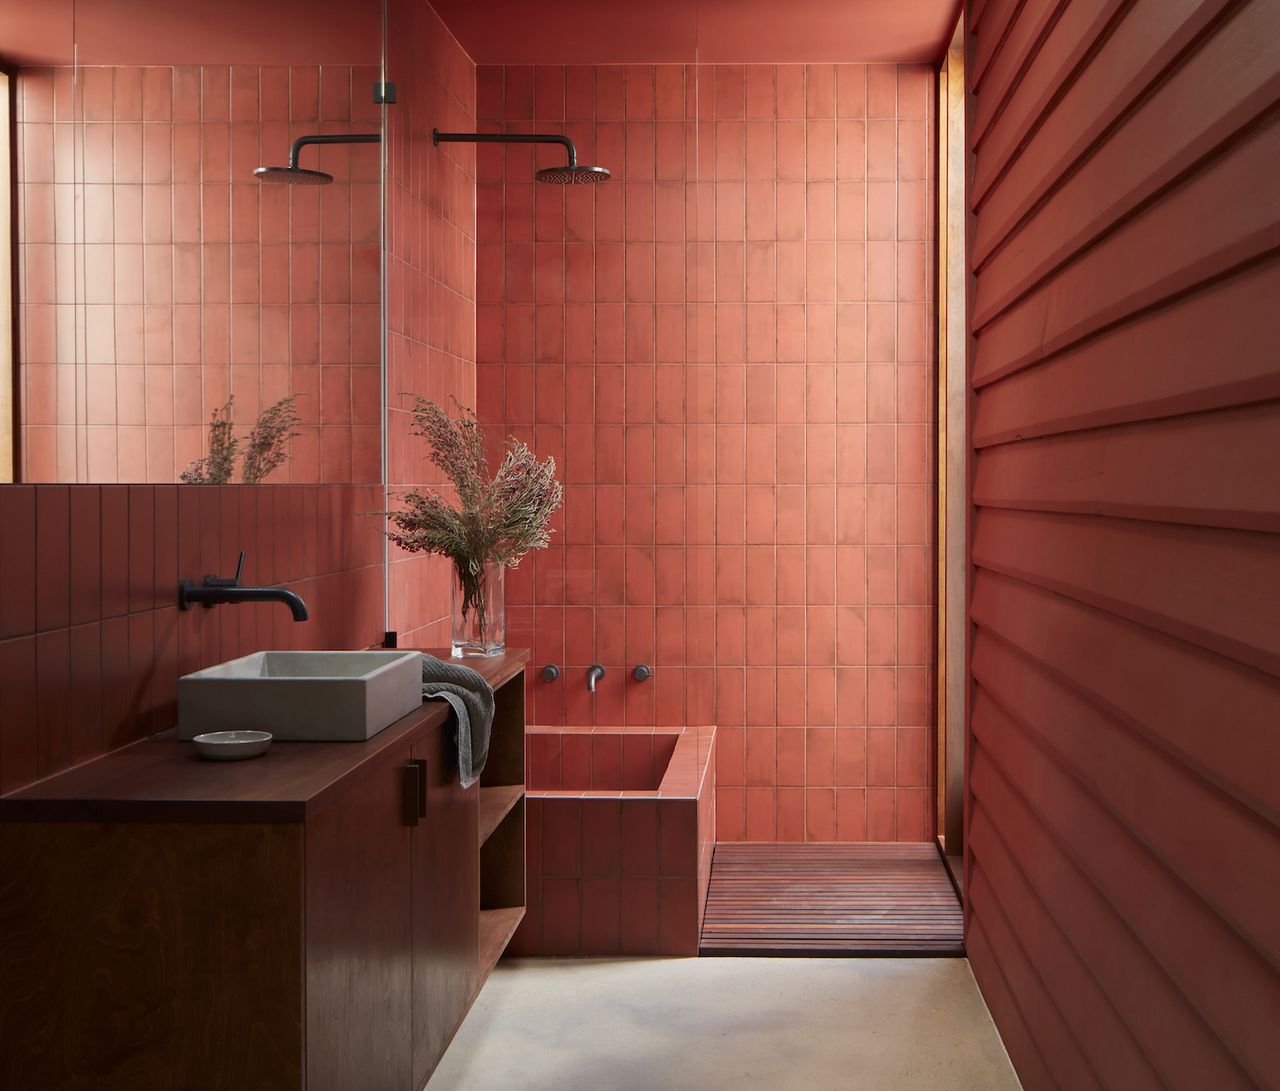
point(161, 779)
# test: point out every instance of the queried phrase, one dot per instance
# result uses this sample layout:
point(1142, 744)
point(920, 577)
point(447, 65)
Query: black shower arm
point(330, 138)
point(437, 137)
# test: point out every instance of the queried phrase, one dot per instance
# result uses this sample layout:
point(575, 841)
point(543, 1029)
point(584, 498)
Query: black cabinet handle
point(421, 765)
point(411, 793)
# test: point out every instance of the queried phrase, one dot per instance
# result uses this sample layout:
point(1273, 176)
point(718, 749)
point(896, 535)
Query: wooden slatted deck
point(830, 900)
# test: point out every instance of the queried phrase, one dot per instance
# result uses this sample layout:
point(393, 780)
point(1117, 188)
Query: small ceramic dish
point(232, 745)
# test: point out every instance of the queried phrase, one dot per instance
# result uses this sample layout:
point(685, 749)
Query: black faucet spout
point(189, 595)
point(215, 590)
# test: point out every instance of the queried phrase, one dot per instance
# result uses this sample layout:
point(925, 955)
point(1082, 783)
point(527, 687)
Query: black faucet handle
point(223, 581)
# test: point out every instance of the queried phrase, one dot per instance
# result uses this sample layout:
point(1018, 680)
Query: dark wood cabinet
point(445, 905)
point(359, 940)
point(320, 918)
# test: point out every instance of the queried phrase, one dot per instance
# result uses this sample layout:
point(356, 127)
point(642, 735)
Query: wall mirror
point(180, 316)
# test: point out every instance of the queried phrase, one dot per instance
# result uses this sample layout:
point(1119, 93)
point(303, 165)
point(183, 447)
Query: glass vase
point(479, 611)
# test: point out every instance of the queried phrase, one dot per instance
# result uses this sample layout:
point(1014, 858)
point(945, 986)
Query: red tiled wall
point(728, 349)
point(180, 279)
point(91, 639)
point(430, 279)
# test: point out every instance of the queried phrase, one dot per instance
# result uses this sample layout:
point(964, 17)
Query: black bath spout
point(215, 590)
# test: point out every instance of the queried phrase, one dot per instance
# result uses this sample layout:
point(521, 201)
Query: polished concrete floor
point(704, 1023)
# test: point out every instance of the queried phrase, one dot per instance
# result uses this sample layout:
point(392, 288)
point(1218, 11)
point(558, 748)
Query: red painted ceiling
point(492, 31)
point(191, 31)
point(713, 31)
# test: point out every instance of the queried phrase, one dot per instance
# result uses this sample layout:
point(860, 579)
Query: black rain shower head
point(294, 176)
point(572, 175)
point(569, 175)
point(300, 176)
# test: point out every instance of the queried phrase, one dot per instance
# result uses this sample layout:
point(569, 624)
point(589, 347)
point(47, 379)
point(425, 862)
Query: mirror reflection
point(182, 316)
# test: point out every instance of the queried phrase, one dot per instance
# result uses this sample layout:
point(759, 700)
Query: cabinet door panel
point(359, 932)
point(446, 902)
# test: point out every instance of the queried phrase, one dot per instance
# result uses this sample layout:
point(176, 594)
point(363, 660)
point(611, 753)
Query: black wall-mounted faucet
point(218, 589)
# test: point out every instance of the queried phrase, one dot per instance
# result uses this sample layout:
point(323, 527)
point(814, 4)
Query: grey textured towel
point(472, 700)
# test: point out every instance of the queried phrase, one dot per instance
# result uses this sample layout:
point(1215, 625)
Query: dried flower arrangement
point(265, 448)
point(498, 520)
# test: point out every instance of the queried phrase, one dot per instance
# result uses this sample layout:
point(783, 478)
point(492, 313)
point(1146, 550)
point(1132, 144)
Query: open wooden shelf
point(497, 926)
point(500, 815)
point(495, 802)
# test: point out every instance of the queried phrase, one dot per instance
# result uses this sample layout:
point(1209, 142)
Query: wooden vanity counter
point(320, 917)
point(162, 779)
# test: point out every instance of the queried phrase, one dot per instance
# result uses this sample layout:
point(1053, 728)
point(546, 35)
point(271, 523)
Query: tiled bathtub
point(620, 829)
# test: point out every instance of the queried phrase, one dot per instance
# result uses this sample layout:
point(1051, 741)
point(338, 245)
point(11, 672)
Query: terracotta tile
point(19, 738)
point(678, 838)
point(762, 756)
point(84, 691)
point(731, 756)
point(912, 814)
point(561, 837)
point(639, 916)
point(601, 836)
point(881, 814)
point(820, 814)
point(730, 814)
point(543, 758)
point(791, 814)
point(851, 814)
point(561, 916)
point(730, 696)
point(760, 814)
point(601, 917)
point(851, 90)
point(575, 762)
point(678, 916)
point(912, 757)
point(790, 770)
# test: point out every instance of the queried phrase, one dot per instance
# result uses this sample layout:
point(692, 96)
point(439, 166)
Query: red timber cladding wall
point(430, 289)
point(91, 638)
point(1123, 859)
point(728, 349)
point(157, 276)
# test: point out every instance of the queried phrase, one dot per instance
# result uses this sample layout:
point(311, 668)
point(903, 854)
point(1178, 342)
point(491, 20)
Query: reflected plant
point(215, 467)
point(266, 447)
point(268, 444)
point(498, 518)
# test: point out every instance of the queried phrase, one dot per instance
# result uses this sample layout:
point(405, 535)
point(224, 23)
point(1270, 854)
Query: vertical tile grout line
point(896, 433)
point(866, 447)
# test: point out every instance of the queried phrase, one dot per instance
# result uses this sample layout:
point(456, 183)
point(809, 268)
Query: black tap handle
point(223, 581)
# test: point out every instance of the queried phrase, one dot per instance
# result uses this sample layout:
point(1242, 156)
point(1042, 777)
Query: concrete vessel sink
point(302, 696)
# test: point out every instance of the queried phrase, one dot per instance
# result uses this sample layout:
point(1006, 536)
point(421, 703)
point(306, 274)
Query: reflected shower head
point(297, 176)
point(300, 176)
point(569, 175)
point(572, 175)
